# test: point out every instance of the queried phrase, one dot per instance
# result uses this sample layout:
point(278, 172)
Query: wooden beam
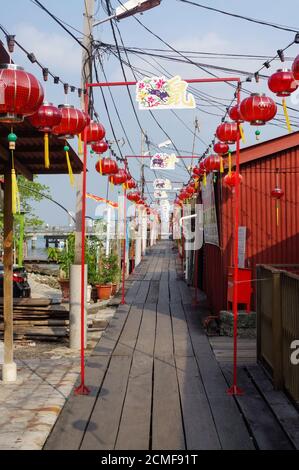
point(20, 168)
point(8, 267)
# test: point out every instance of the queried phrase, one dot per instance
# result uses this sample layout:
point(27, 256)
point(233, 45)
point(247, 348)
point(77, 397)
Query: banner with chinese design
point(162, 184)
point(101, 199)
point(163, 161)
point(161, 93)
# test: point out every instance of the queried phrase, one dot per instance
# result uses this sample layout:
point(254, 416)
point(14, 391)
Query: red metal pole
point(82, 389)
point(123, 300)
point(234, 389)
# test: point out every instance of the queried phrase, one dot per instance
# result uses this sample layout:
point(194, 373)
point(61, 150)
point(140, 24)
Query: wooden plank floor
point(156, 383)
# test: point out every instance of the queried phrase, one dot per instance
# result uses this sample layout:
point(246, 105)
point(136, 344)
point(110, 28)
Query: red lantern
point(120, 177)
point(221, 148)
point(133, 196)
point(73, 122)
point(131, 184)
point(295, 68)
point(20, 92)
point(228, 132)
point(197, 172)
point(277, 193)
point(282, 82)
point(183, 195)
point(107, 166)
point(234, 114)
point(213, 163)
point(190, 190)
point(258, 109)
point(47, 117)
point(95, 132)
point(100, 147)
point(230, 180)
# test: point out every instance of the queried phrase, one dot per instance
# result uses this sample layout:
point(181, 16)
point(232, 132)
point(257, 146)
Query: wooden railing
point(278, 323)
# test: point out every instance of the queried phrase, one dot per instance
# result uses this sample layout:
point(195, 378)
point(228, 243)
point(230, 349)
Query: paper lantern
point(258, 109)
point(230, 180)
point(228, 132)
point(73, 122)
point(183, 195)
point(45, 119)
point(100, 147)
point(95, 132)
point(197, 172)
point(131, 184)
point(119, 178)
point(21, 94)
point(107, 166)
point(277, 194)
point(295, 68)
point(282, 83)
point(190, 190)
point(234, 114)
point(213, 163)
point(221, 148)
point(133, 196)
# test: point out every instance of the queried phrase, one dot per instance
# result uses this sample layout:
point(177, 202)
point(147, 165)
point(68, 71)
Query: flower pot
point(65, 289)
point(104, 291)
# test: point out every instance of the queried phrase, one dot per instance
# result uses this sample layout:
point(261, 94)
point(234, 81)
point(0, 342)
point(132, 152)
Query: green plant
point(105, 275)
point(114, 267)
point(93, 248)
point(65, 257)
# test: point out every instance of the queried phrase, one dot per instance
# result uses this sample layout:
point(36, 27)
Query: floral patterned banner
point(163, 161)
point(160, 93)
point(160, 195)
point(162, 184)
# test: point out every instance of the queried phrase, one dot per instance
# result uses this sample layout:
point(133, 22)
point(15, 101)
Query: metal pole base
point(82, 390)
point(234, 390)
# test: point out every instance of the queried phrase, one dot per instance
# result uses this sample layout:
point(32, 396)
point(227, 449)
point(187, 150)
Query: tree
point(31, 191)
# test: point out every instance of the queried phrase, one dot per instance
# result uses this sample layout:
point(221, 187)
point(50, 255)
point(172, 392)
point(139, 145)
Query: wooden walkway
point(156, 384)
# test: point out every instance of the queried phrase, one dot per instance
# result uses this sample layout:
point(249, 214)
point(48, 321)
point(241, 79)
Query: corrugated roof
point(29, 153)
point(270, 147)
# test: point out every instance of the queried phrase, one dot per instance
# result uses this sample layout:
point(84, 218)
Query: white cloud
point(56, 51)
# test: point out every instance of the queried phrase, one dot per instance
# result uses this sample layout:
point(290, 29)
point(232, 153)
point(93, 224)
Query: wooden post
point(258, 313)
point(9, 372)
point(277, 332)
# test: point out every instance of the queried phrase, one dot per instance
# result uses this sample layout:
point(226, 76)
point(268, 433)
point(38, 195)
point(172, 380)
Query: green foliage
point(31, 191)
point(109, 270)
point(64, 257)
point(93, 248)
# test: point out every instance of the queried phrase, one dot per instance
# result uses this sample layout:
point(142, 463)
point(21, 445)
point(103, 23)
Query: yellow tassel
point(80, 146)
point(221, 165)
point(277, 213)
point(229, 163)
point(101, 169)
point(46, 149)
point(196, 184)
point(69, 167)
point(14, 191)
point(242, 133)
point(286, 115)
point(205, 179)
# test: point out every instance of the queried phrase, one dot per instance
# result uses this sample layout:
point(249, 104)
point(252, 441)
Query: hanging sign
point(163, 184)
point(209, 213)
point(160, 93)
point(160, 195)
point(163, 161)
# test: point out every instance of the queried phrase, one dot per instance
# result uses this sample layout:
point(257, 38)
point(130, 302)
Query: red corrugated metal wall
point(266, 243)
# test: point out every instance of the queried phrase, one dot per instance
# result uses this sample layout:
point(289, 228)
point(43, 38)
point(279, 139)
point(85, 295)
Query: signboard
point(161, 93)
point(209, 213)
point(163, 161)
point(162, 184)
point(160, 195)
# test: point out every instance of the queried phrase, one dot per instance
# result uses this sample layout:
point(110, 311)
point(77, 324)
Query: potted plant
point(115, 271)
point(65, 258)
point(104, 280)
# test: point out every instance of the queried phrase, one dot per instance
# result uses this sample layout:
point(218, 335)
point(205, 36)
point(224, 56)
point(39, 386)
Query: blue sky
point(184, 27)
